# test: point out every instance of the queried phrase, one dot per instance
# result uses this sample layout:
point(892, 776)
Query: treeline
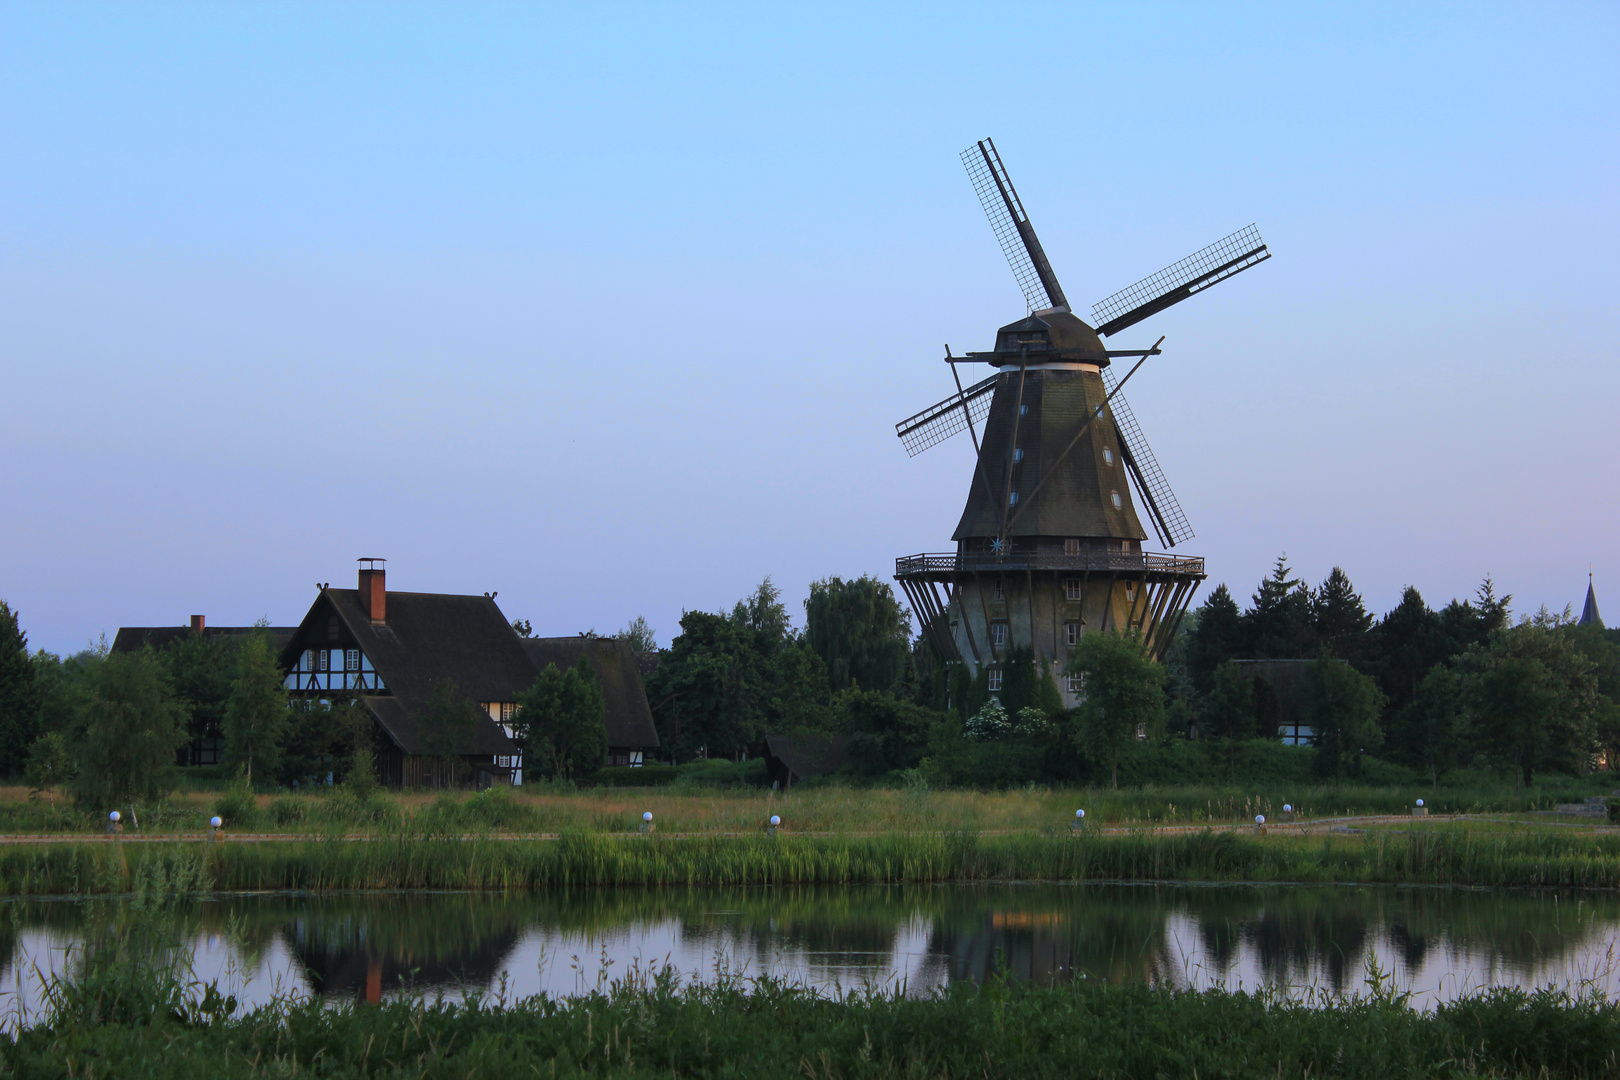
point(1417, 692)
point(1437, 691)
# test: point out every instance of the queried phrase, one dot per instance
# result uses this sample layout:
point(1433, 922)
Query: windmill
point(1049, 545)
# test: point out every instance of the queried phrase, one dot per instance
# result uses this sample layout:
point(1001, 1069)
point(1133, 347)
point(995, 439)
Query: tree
point(448, 730)
point(860, 631)
point(1228, 715)
point(255, 721)
point(763, 615)
point(1531, 698)
point(1124, 697)
point(49, 764)
point(705, 690)
point(130, 725)
point(562, 721)
point(882, 733)
point(19, 695)
point(203, 669)
point(1339, 618)
point(642, 637)
point(1278, 624)
point(1342, 707)
point(1430, 732)
point(1215, 636)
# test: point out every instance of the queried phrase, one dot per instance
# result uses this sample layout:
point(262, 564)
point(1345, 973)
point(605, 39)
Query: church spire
point(1589, 613)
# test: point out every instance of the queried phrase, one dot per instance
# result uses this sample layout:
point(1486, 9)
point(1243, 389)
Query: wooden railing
point(951, 563)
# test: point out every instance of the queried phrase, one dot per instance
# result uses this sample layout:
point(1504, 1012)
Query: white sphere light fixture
point(1420, 802)
point(215, 822)
point(647, 816)
point(115, 817)
point(1259, 819)
point(1080, 814)
point(775, 821)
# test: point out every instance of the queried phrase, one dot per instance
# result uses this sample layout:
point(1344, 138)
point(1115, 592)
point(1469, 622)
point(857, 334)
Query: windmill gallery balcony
point(945, 565)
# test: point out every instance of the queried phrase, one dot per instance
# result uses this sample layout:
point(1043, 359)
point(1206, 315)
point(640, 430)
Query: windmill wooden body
point(1050, 543)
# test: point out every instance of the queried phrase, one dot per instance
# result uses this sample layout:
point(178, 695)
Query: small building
point(792, 758)
point(1279, 697)
point(631, 733)
point(206, 738)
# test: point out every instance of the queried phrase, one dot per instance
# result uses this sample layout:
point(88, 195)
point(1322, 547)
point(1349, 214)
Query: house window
point(997, 592)
point(351, 659)
point(323, 659)
point(995, 680)
point(1071, 546)
point(998, 634)
point(508, 710)
point(1141, 732)
point(1071, 588)
point(1074, 684)
point(1071, 633)
point(309, 660)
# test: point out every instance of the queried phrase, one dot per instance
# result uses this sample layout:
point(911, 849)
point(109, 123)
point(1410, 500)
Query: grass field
point(811, 809)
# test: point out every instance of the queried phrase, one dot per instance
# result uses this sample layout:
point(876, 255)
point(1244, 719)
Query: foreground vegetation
point(120, 1018)
point(401, 860)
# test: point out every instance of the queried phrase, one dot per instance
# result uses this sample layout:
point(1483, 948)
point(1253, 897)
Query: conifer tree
point(1339, 617)
point(19, 695)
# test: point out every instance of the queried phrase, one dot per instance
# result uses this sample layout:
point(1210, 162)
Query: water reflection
point(1435, 942)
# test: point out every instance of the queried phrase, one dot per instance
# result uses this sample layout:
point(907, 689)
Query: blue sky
point(612, 308)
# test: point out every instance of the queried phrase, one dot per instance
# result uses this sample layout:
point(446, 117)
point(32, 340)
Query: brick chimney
point(373, 591)
point(197, 623)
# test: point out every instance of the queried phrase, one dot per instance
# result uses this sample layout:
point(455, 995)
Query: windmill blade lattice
point(1176, 282)
point(1163, 508)
point(939, 422)
point(1011, 225)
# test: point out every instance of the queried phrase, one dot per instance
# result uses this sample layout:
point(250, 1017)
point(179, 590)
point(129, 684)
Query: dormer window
point(1071, 546)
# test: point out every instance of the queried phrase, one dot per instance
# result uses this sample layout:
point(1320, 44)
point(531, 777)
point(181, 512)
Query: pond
point(1298, 941)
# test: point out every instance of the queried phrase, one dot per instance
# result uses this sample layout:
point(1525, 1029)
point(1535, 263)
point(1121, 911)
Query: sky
point(610, 309)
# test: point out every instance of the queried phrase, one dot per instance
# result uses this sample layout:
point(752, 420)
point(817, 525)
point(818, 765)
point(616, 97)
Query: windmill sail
point(1163, 510)
point(939, 422)
point(1176, 282)
point(1012, 228)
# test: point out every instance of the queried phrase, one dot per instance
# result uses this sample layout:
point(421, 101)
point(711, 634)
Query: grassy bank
point(113, 1025)
point(831, 809)
point(1439, 855)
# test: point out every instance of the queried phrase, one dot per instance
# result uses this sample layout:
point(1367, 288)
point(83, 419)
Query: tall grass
point(1571, 859)
point(647, 1024)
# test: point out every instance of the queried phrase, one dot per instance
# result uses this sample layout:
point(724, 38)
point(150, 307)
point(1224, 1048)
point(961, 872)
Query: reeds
point(647, 1024)
point(398, 860)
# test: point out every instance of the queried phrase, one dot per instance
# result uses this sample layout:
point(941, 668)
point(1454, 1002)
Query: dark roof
point(618, 667)
point(427, 638)
point(1589, 613)
point(134, 638)
point(806, 755)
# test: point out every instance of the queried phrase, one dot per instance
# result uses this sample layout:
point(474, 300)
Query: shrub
point(236, 806)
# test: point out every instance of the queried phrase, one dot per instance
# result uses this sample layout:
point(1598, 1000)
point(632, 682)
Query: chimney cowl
point(197, 623)
point(374, 590)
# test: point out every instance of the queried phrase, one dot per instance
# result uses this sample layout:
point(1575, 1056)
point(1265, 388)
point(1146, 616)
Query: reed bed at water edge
point(1441, 856)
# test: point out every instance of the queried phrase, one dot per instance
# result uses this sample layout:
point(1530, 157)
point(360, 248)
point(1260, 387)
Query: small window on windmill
point(1114, 498)
point(1071, 546)
point(1018, 454)
point(1071, 588)
point(1012, 498)
point(1071, 633)
point(1130, 592)
point(995, 680)
point(1108, 455)
point(1023, 410)
point(998, 634)
point(997, 590)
